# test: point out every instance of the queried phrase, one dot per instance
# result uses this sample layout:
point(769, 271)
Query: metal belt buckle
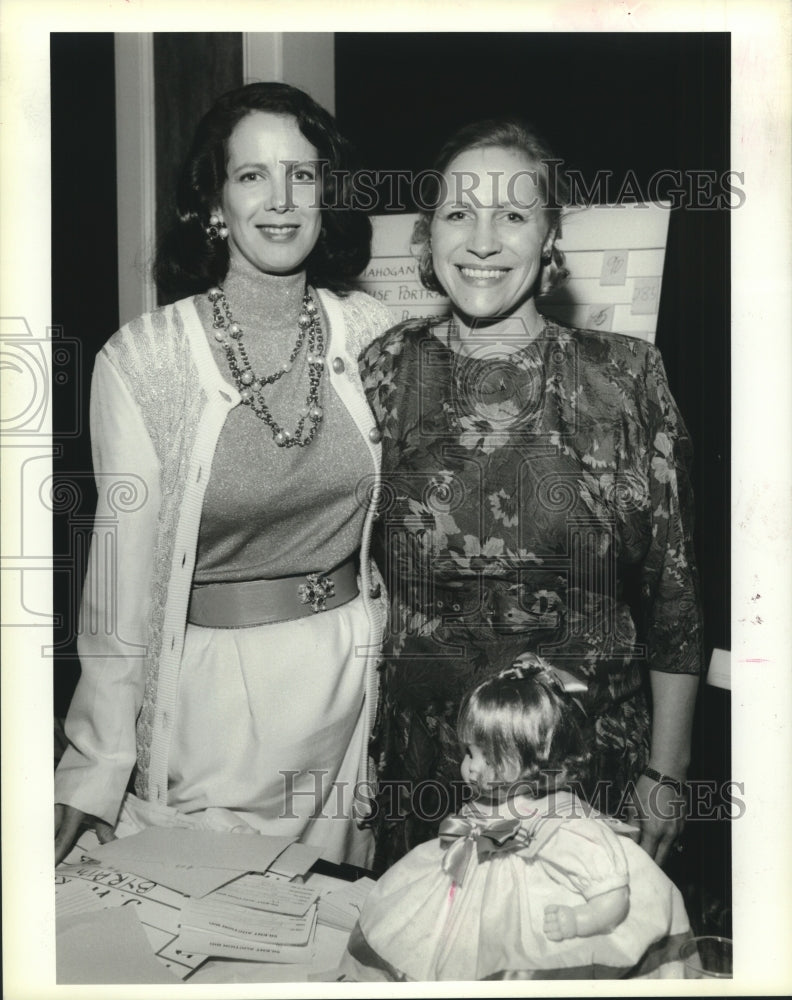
point(316, 591)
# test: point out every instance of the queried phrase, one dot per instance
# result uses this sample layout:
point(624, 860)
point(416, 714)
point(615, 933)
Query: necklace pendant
point(251, 387)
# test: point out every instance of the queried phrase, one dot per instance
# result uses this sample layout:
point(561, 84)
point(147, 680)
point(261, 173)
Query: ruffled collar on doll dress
point(514, 827)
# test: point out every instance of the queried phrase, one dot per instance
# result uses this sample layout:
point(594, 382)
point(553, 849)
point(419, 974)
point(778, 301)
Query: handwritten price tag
point(646, 296)
point(614, 267)
point(599, 317)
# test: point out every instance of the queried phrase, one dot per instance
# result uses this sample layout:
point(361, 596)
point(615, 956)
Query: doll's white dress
point(470, 905)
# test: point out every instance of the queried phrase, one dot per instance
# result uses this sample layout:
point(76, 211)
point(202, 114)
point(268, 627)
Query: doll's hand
point(560, 923)
point(69, 823)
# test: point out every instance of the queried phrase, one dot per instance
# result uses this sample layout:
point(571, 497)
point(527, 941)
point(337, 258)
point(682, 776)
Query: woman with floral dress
point(535, 498)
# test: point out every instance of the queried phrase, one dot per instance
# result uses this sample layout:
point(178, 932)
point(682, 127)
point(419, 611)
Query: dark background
point(623, 102)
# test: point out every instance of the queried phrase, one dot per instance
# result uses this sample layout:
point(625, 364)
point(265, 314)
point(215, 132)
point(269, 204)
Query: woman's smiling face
point(489, 232)
point(270, 201)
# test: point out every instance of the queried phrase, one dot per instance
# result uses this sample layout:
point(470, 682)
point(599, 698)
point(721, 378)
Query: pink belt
point(264, 602)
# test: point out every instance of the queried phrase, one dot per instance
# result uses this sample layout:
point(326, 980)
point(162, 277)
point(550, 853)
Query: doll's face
point(479, 773)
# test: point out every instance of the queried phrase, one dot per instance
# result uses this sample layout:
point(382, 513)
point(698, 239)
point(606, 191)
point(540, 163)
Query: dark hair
point(525, 724)
point(188, 262)
point(506, 133)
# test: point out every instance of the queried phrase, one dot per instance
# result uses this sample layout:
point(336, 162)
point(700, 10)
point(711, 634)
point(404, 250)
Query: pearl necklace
point(251, 386)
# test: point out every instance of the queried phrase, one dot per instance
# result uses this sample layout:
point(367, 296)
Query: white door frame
point(135, 172)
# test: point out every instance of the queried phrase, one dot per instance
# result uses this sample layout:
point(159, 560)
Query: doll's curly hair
point(505, 133)
point(526, 725)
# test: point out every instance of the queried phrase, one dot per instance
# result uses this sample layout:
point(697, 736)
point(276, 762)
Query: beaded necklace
point(251, 386)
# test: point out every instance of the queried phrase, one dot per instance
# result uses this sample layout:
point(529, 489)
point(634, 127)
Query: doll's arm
point(600, 915)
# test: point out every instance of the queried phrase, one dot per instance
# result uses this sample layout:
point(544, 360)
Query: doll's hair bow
point(530, 665)
point(465, 838)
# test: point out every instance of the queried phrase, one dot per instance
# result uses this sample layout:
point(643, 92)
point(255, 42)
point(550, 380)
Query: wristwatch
point(663, 779)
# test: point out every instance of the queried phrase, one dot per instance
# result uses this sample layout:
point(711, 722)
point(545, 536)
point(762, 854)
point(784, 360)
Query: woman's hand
point(660, 809)
point(660, 814)
point(68, 824)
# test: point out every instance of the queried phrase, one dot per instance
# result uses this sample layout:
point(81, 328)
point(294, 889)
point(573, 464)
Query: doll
point(527, 881)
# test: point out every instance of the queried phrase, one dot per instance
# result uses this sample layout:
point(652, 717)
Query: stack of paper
point(234, 931)
point(262, 892)
point(185, 855)
point(200, 894)
point(83, 888)
point(340, 906)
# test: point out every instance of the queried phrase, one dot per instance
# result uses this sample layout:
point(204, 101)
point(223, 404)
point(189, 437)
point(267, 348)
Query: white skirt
point(270, 725)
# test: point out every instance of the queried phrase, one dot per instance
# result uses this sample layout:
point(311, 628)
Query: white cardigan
point(158, 404)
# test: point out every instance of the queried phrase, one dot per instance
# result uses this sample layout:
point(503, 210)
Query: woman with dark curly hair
point(238, 678)
point(535, 498)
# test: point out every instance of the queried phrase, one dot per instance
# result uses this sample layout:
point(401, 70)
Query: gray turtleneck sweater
point(271, 511)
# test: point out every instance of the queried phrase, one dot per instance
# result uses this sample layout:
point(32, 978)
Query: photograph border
point(761, 523)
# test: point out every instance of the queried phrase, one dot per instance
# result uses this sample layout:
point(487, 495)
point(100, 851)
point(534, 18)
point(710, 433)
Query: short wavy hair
point(500, 133)
point(526, 725)
point(188, 262)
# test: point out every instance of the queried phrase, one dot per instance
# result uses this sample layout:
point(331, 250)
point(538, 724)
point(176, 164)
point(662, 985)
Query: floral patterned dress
point(539, 502)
